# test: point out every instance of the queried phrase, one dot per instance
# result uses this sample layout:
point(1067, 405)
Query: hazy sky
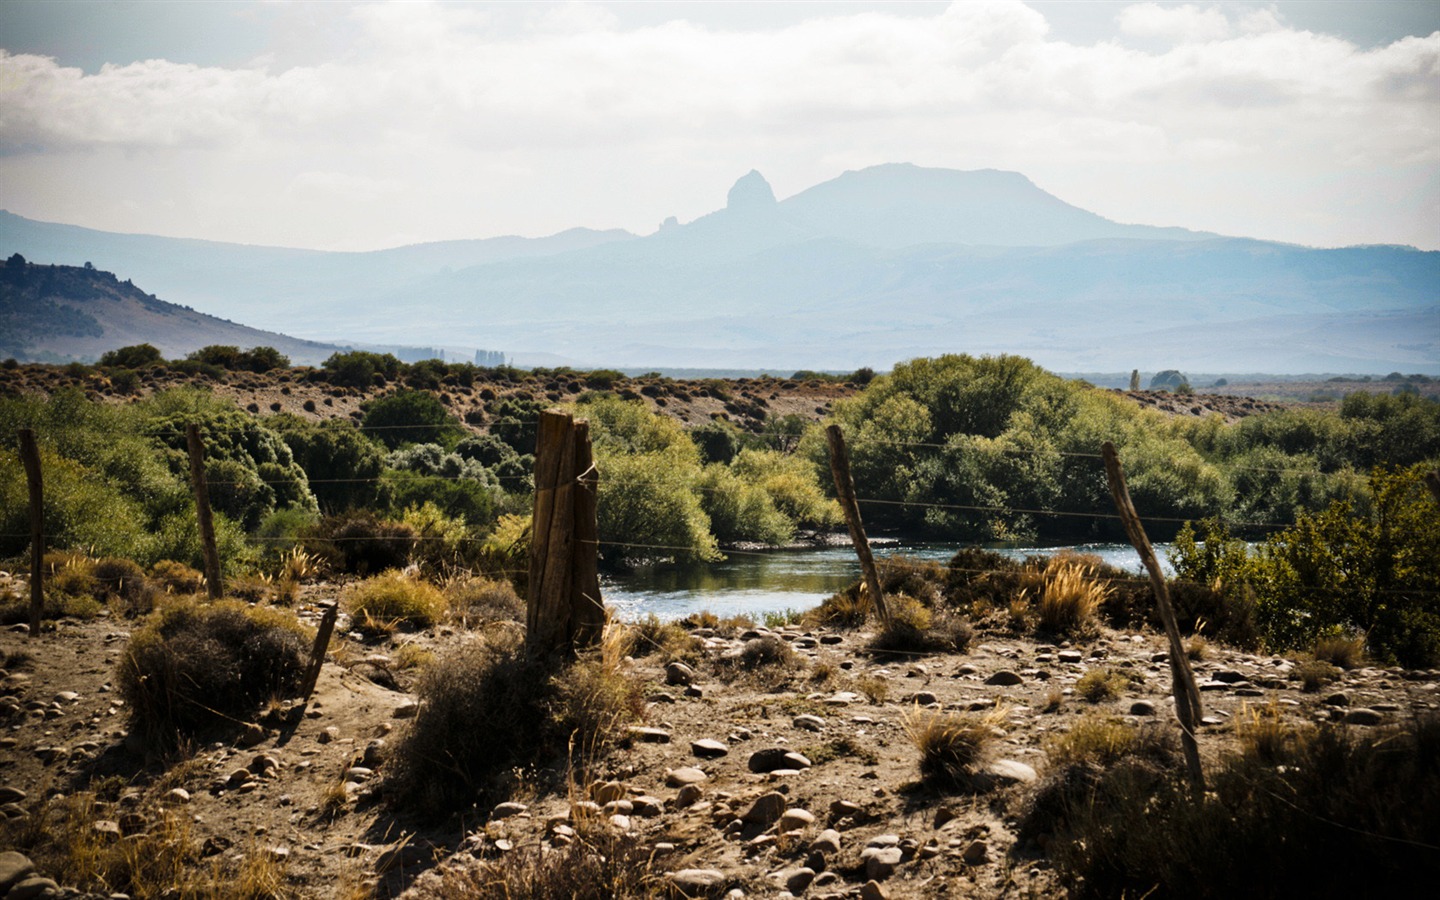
point(362, 125)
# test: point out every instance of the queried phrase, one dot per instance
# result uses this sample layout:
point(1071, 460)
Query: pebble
point(773, 758)
point(648, 735)
point(1142, 708)
point(827, 841)
point(766, 809)
point(506, 810)
point(696, 882)
point(808, 722)
point(1004, 678)
point(679, 673)
point(795, 819)
point(685, 775)
point(708, 748)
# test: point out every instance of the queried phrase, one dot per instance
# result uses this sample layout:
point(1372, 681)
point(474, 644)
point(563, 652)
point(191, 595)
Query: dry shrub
point(1101, 684)
point(914, 628)
point(477, 600)
point(199, 665)
point(1102, 741)
point(875, 688)
point(767, 662)
point(1197, 647)
point(124, 580)
point(846, 609)
point(1272, 813)
point(390, 599)
point(1070, 594)
point(487, 710)
point(360, 543)
point(981, 581)
point(1314, 674)
point(176, 578)
point(1341, 651)
point(597, 865)
point(953, 747)
point(668, 640)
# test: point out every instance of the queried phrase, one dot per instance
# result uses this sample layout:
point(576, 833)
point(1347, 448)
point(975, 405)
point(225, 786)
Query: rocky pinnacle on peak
point(752, 191)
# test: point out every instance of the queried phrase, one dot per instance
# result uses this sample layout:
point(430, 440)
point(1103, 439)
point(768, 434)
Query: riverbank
point(803, 777)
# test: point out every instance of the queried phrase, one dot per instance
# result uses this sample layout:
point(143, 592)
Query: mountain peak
point(752, 191)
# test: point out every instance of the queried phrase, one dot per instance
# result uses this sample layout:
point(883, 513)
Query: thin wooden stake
point(317, 653)
point(845, 491)
point(1187, 695)
point(30, 455)
point(213, 585)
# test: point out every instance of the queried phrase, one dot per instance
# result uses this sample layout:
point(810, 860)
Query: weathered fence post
point(202, 511)
point(317, 653)
point(1187, 695)
point(1432, 481)
point(563, 610)
point(845, 492)
point(30, 455)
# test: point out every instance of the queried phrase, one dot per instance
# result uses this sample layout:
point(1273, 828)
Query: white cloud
point(447, 120)
point(1181, 24)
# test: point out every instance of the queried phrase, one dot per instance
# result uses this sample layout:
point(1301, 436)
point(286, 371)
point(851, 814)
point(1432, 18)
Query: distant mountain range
point(874, 266)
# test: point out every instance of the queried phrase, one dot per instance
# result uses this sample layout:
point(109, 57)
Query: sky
point(357, 126)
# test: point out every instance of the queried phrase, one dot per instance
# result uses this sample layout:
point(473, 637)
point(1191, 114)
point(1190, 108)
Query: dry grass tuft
point(476, 601)
point(1070, 595)
point(1315, 674)
point(380, 604)
point(668, 640)
point(1342, 652)
point(1095, 740)
point(598, 865)
point(1101, 684)
point(953, 747)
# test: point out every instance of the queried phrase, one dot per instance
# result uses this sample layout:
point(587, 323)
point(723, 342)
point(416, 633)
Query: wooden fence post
point(563, 610)
point(30, 455)
point(317, 653)
point(213, 585)
point(1187, 695)
point(845, 491)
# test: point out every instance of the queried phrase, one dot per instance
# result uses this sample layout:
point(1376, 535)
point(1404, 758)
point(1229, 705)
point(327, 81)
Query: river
point(756, 583)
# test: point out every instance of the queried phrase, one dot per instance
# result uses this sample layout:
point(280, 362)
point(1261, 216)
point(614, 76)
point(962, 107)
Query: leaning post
point(845, 491)
point(1187, 695)
point(30, 455)
point(213, 587)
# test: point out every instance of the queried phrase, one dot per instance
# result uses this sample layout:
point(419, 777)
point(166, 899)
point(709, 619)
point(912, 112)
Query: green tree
point(410, 417)
point(136, 356)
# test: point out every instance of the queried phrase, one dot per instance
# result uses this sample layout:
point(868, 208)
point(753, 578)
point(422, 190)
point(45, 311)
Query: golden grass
point(953, 747)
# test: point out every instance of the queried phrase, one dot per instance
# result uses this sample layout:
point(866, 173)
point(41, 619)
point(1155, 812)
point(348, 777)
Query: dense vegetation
point(953, 448)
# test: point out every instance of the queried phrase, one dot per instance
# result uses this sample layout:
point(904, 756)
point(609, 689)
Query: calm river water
point(757, 583)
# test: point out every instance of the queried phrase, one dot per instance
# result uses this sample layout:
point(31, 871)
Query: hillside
point(62, 313)
point(874, 266)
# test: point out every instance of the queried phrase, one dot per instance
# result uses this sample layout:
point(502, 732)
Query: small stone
point(689, 795)
point(880, 862)
point(1009, 771)
point(647, 735)
point(606, 792)
point(773, 758)
point(327, 735)
point(924, 698)
point(795, 819)
point(1363, 716)
point(808, 722)
point(1229, 676)
point(508, 809)
point(709, 748)
point(1004, 678)
point(795, 880)
point(696, 882)
point(1142, 708)
point(620, 822)
point(766, 809)
point(827, 841)
point(1070, 656)
point(842, 808)
point(406, 709)
point(679, 673)
point(872, 890)
point(14, 867)
point(976, 854)
point(1337, 699)
point(685, 775)
point(34, 887)
point(647, 806)
point(106, 828)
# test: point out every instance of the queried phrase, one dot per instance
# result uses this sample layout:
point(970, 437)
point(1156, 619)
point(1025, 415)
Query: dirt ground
point(271, 789)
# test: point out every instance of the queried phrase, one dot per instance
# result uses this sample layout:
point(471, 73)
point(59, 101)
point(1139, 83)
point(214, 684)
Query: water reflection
point(756, 583)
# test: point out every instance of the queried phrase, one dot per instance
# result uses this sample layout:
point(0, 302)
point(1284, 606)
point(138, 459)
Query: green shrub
point(410, 417)
point(914, 628)
point(360, 543)
point(200, 665)
point(1101, 684)
point(380, 603)
point(135, 356)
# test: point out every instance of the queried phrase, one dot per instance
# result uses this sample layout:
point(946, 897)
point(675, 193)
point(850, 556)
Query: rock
point(620, 822)
point(679, 673)
point(766, 809)
point(688, 796)
point(1142, 708)
point(1339, 698)
point(696, 882)
point(406, 709)
point(808, 722)
point(773, 758)
point(506, 810)
point(647, 735)
point(604, 792)
point(709, 748)
point(795, 819)
point(1229, 676)
point(827, 841)
point(976, 854)
point(10, 794)
point(924, 698)
point(177, 796)
point(842, 808)
point(795, 880)
point(1070, 656)
point(880, 862)
point(33, 887)
point(327, 735)
point(14, 867)
point(1004, 678)
point(1360, 715)
point(1009, 771)
point(842, 698)
point(251, 734)
point(873, 891)
point(647, 806)
point(685, 775)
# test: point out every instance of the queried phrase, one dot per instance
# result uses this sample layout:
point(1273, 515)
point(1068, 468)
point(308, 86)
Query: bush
point(1101, 684)
point(916, 629)
point(669, 640)
point(953, 747)
point(1069, 596)
point(135, 356)
point(478, 600)
point(410, 417)
point(379, 604)
point(487, 709)
point(597, 865)
point(360, 543)
point(197, 666)
point(358, 369)
point(1369, 797)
